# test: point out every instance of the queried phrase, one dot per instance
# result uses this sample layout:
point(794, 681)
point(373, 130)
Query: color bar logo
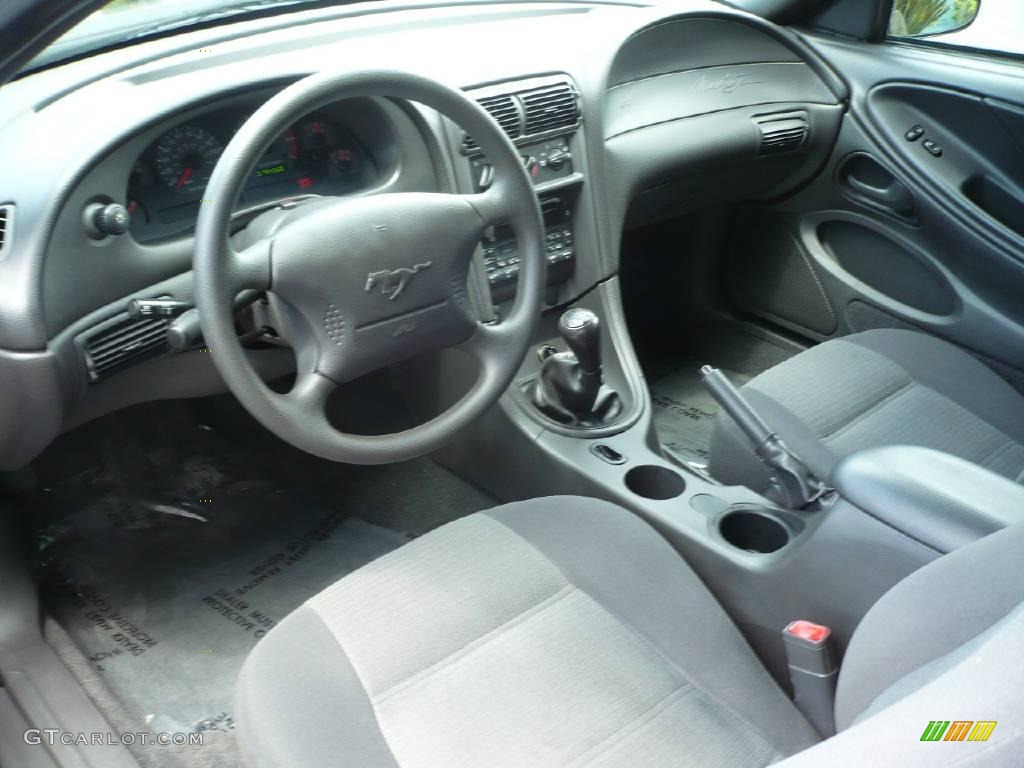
point(958, 730)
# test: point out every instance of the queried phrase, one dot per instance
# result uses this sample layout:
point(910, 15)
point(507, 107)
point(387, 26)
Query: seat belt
point(813, 672)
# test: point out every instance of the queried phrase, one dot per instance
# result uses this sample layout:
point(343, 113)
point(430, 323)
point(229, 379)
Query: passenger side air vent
point(545, 109)
point(123, 341)
point(505, 110)
point(782, 133)
point(6, 227)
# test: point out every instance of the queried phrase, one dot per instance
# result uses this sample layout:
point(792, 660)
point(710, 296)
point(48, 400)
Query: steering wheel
point(364, 282)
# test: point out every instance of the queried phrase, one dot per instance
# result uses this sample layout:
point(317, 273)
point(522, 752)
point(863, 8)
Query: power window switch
point(932, 148)
point(914, 133)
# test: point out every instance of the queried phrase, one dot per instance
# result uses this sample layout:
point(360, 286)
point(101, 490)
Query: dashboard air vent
point(545, 109)
point(782, 133)
point(503, 109)
point(6, 226)
point(125, 341)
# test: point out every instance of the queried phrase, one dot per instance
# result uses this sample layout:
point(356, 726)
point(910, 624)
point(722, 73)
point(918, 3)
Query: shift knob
point(581, 330)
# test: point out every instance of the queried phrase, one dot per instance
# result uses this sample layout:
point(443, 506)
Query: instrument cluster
point(317, 155)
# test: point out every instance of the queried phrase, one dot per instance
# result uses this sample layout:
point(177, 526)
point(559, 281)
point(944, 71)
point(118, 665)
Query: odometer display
point(271, 171)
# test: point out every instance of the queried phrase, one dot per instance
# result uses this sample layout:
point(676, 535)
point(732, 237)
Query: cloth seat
point(883, 387)
point(553, 632)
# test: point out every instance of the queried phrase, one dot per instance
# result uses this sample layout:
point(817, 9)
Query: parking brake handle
point(793, 484)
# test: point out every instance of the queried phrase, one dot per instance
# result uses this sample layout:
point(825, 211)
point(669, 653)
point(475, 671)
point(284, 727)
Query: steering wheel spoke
point(250, 267)
point(492, 206)
point(487, 346)
point(310, 393)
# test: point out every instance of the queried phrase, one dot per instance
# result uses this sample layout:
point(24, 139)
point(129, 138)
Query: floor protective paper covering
point(167, 589)
point(684, 412)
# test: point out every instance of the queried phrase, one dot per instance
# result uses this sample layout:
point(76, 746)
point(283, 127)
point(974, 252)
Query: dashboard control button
point(914, 133)
point(112, 219)
point(102, 220)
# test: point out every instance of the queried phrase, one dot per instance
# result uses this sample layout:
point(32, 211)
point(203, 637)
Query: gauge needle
point(185, 176)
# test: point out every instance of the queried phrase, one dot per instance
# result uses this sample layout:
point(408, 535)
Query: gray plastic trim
point(44, 691)
point(643, 103)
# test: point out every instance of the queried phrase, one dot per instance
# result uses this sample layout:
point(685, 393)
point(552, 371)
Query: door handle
point(863, 179)
point(895, 196)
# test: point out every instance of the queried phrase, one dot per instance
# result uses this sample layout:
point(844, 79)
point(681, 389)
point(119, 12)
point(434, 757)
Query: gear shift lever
point(581, 330)
point(570, 386)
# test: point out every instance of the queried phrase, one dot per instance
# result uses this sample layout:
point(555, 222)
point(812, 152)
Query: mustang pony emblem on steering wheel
point(393, 281)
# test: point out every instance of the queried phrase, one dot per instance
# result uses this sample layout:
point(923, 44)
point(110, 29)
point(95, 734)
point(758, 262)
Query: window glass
point(991, 25)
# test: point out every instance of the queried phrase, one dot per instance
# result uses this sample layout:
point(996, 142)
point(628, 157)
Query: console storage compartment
point(937, 499)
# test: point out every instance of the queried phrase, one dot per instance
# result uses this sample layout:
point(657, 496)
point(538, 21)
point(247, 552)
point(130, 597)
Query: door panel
point(905, 228)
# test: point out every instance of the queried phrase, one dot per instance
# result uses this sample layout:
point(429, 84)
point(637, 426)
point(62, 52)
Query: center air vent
point(122, 342)
point(530, 113)
point(505, 110)
point(546, 109)
point(6, 226)
point(782, 133)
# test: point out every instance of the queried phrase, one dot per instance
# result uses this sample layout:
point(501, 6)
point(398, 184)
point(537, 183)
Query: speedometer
point(185, 158)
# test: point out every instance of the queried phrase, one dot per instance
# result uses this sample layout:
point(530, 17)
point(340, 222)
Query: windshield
point(123, 20)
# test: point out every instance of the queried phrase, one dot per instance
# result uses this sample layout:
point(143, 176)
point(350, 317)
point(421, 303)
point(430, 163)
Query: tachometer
point(318, 137)
point(346, 162)
point(185, 158)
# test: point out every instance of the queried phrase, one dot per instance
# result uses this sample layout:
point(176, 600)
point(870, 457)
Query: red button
point(808, 630)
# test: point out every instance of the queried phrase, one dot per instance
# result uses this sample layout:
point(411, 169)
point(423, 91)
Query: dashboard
point(659, 110)
point(318, 155)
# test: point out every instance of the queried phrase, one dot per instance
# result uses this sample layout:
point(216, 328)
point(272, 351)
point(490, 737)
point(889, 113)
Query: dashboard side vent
point(122, 342)
point(551, 107)
point(505, 110)
point(782, 133)
point(6, 227)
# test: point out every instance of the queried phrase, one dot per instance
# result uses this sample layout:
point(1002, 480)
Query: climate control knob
point(557, 159)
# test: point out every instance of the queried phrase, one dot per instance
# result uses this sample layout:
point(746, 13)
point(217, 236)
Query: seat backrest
point(937, 655)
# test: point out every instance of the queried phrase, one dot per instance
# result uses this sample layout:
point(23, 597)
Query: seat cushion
point(554, 632)
point(942, 645)
point(884, 387)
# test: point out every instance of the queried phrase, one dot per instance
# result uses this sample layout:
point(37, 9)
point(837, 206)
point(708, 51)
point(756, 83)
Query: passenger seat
point(883, 387)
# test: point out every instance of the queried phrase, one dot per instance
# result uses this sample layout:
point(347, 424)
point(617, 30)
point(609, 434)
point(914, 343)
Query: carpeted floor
point(166, 560)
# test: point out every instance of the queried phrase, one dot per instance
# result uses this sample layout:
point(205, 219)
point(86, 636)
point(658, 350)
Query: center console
point(501, 254)
point(542, 117)
point(555, 388)
point(577, 418)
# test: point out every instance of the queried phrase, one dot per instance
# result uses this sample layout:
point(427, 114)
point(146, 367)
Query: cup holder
point(753, 531)
point(654, 482)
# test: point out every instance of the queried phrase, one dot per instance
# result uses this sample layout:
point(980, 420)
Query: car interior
point(511, 383)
